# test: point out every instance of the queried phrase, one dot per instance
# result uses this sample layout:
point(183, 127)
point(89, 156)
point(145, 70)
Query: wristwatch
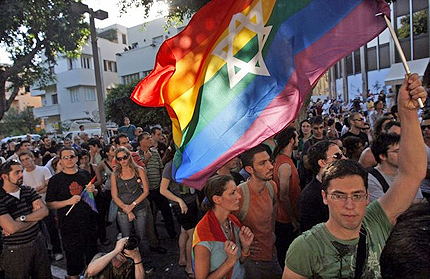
point(22, 218)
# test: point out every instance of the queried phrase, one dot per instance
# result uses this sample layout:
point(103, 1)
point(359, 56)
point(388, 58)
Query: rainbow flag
point(239, 72)
point(89, 199)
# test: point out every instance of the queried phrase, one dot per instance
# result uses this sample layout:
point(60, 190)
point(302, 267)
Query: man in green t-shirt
point(329, 250)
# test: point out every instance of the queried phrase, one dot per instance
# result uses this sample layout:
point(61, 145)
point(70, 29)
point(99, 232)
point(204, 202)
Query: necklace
point(227, 229)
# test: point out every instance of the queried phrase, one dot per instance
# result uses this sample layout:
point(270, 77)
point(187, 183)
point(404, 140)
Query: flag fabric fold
point(88, 197)
point(239, 72)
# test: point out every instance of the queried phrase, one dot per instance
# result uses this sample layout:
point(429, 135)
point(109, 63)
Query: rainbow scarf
point(239, 72)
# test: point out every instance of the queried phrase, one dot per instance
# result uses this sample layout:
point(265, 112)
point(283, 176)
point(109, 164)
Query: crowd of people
point(330, 199)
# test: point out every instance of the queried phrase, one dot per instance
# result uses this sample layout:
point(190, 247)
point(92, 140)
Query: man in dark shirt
point(156, 137)
point(78, 228)
point(21, 208)
point(47, 150)
point(317, 125)
point(311, 207)
point(356, 122)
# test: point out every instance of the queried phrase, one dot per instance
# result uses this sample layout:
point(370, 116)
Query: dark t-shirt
point(43, 149)
point(311, 206)
point(125, 271)
point(62, 187)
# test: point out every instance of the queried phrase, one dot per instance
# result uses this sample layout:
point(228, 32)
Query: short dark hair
point(283, 139)
point(407, 251)
point(25, 141)
point(391, 124)
point(141, 136)
point(154, 130)
point(215, 186)
point(6, 167)
point(95, 142)
point(120, 135)
point(67, 148)
point(351, 144)
point(377, 127)
point(342, 169)
point(247, 157)
point(317, 120)
point(318, 152)
point(381, 144)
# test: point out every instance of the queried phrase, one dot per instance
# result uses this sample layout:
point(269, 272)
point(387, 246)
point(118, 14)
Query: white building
point(144, 41)
point(73, 94)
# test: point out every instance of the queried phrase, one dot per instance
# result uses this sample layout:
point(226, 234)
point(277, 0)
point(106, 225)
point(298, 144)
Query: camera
point(132, 243)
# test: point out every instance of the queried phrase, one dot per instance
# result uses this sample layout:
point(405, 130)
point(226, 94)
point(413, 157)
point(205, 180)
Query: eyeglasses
point(423, 127)
point(123, 158)
point(339, 197)
point(67, 157)
point(337, 156)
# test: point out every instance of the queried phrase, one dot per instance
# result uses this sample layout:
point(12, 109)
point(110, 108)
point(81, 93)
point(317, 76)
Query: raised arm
point(412, 155)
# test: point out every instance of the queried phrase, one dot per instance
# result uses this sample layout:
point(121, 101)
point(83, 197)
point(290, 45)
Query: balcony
point(47, 111)
point(76, 77)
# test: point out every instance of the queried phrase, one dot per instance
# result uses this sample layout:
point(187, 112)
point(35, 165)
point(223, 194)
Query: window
point(90, 93)
point(129, 78)
point(124, 39)
point(86, 62)
point(71, 63)
point(74, 95)
point(109, 66)
point(157, 40)
point(54, 99)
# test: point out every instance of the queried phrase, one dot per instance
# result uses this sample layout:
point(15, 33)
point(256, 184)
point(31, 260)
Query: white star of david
point(224, 49)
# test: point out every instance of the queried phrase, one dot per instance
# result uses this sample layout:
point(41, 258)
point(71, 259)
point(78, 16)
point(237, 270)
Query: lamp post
point(101, 15)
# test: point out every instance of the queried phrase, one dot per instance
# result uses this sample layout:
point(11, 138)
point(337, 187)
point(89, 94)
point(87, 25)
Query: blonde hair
point(130, 163)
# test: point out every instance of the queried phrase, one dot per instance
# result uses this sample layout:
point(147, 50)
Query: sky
point(133, 17)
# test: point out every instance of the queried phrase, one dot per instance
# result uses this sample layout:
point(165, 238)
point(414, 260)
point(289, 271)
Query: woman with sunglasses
point(129, 186)
point(220, 242)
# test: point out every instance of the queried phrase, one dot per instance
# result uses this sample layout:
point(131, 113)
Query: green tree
point(178, 9)
point(118, 105)
point(17, 122)
point(420, 24)
point(33, 32)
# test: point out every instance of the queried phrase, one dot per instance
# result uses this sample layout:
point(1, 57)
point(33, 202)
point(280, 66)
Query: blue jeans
point(139, 225)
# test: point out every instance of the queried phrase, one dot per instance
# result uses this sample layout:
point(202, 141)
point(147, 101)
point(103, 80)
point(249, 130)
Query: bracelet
point(138, 263)
point(245, 254)
point(134, 203)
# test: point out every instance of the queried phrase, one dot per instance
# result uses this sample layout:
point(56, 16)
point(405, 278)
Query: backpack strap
point(246, 198)
point(269, 187)
point(380, 178)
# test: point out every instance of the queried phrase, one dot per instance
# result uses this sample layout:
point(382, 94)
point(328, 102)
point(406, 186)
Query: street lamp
point(99, 14)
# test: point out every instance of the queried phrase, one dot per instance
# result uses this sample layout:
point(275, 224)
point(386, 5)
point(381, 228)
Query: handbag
point(113, 211)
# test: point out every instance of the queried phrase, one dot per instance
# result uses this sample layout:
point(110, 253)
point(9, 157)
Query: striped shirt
point(17, 207)
point(154, 168)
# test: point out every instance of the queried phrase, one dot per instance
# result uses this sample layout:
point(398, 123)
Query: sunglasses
point(67, 157)
point(423, 127)
point(337, 156)
point(123, 158)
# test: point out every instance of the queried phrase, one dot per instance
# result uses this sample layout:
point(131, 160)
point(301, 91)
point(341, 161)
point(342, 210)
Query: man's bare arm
point(412, 155)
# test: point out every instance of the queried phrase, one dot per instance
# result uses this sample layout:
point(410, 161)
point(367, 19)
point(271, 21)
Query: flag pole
point(399, 50)
point(70, 209)
point(89, 183)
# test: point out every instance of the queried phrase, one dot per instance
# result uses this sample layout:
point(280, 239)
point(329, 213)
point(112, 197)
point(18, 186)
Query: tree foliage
point(33, 32)
point(17, 122)
point(419, 23)
point(118, 105)
point(178, 9)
